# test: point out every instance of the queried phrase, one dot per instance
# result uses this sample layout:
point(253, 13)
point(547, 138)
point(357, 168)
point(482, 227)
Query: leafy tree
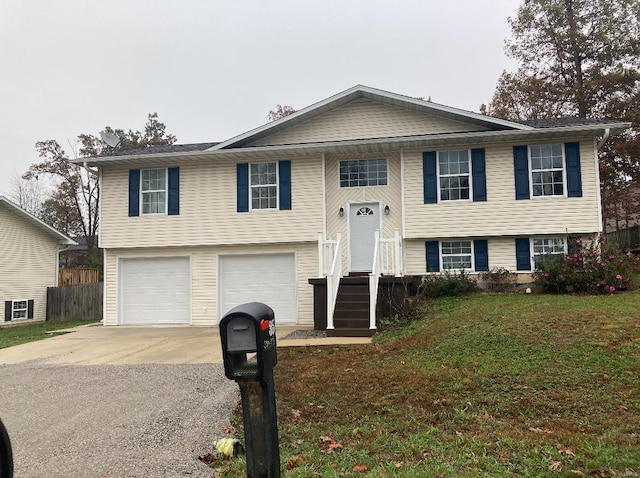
point(578, 58)
point(73, 206)
point(280, 111)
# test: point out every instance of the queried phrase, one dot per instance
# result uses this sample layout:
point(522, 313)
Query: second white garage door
point(155, 291)
point(267, 278)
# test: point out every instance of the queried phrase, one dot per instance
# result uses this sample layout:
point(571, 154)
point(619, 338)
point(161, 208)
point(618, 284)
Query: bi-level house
point(364, 182)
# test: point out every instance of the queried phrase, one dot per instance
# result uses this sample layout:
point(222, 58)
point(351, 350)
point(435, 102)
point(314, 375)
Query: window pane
point(363, 172)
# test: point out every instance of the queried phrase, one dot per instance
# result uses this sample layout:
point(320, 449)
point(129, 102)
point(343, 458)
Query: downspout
point(607, 133)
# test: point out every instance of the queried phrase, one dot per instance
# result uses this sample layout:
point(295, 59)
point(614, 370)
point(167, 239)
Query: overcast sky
point(212, 69)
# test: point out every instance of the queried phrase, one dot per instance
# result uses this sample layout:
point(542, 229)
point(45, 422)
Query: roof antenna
point(112, 140)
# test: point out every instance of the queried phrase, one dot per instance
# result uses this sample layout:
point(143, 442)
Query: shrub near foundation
point(448, 284)
point(595, 268)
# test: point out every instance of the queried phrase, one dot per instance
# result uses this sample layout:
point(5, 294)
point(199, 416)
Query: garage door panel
point(267, 278)
point(155, 291)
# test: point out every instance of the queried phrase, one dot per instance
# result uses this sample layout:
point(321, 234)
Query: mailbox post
point(246, 330)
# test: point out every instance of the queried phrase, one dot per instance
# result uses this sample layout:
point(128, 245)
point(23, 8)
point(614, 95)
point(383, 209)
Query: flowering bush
point(597, 268)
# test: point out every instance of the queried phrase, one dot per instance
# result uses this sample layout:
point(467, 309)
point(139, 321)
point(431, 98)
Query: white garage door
point(155, 291)
point(267, 278)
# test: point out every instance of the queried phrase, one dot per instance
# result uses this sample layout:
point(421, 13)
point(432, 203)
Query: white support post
point(397, 253)
point(320, 255)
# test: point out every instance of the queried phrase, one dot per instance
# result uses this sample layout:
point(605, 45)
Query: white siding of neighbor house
point(208, 213)
point(364, 118)
point(502, 214)
point(29, 262)
point(204, 276)
point(338, 197)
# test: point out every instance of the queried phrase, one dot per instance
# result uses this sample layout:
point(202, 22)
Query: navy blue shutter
point(521, 171)
point(574, 177)
point(242, 179)
point(433, 256)
point(8, 310)
point(479, 175)
point(284, 183)
point(173, 202)
point(481, 254)
point(134, 192)
point(523, 255)
point(30, 309)
point(429, 177)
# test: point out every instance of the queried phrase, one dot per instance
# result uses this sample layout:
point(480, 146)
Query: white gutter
point(607, 133)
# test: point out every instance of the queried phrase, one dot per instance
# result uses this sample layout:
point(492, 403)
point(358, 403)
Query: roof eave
point(364, 145)
point(61, 238)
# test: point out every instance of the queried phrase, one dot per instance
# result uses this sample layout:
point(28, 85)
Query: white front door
point(364, 219)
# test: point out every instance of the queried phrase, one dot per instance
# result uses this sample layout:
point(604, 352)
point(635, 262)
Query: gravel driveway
point(114, 420)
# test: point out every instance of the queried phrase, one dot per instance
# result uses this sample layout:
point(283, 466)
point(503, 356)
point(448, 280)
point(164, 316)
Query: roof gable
point(34, 221)
point(417, 117)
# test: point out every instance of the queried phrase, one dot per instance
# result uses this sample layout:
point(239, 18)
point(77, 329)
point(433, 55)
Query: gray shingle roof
point(163, 148)
point(566, 121)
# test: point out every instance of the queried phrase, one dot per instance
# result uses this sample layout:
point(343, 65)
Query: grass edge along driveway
point(22, 333)
point(484, 385)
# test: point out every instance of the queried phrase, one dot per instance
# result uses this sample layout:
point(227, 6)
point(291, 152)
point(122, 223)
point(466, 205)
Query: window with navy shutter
point(523, 254)
point(521, 171)
point(574, 175)
point(430, 178)
point(8, 310)
point(30, 309)
point(242, 187)
point(479, 175)
point(134, 192)
point(173, 190)
point(481, 255)
point(433, 256)
point(284, 183)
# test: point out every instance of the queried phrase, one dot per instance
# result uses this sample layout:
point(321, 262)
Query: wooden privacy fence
point(69, 276)
point(627, 239)
point(74, 302)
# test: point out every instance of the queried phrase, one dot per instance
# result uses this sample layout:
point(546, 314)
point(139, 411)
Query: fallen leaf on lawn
point(623, 408)
point(577, 472)
point(228, 429)
point(297, 443)
point(349, 370)
point(296, 413)
point(356, 431)
point(459, 434)
point(479, 353)
point(540, 430)
point(295, 461)
point(329, 444)
point(399, 464)
point(555, 465)
point(360, 467)
point(566, 451)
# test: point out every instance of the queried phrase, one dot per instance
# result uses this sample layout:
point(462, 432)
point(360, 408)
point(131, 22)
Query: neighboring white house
point(29, 262)
point(189, 231)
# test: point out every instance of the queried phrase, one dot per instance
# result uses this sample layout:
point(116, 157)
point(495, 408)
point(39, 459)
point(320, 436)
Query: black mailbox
point(248, 329)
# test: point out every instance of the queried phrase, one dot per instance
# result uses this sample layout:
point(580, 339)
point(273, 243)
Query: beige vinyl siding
point(338, 197)
point(208, 210)
point(29, 262)
point(502, 253)
point(501, 214)
point(364, 118)
point(204, 274)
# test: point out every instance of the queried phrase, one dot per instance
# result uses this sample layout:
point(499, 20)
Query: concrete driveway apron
point(115, 402)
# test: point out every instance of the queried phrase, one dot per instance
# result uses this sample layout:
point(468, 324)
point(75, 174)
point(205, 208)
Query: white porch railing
point(387, 259)
point(330, 265)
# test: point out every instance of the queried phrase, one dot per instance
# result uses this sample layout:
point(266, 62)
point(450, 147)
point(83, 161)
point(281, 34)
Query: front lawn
point(485, 385)
point(23, 333)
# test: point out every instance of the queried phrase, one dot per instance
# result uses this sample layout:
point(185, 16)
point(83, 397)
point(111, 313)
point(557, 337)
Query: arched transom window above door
point(365, 211)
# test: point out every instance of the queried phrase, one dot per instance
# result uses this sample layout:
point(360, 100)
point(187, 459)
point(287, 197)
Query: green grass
point(23, 333)
point(485, 385)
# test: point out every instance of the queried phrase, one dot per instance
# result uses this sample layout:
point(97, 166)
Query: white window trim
point(534, 255)
point(14, 309)
point(386, 159)
point(564, 173)
point(165, 190)
point(440, 253)
point(438, 176)
point(277, 185)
